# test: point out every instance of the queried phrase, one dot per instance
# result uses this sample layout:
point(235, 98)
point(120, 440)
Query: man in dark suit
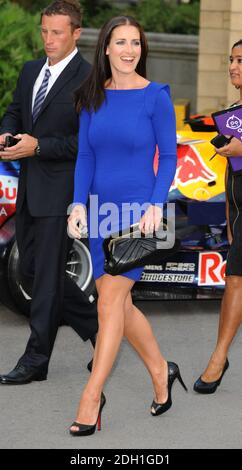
point(42, 115)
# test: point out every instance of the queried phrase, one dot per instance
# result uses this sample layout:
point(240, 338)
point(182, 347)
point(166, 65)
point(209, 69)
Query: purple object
point(229, 122)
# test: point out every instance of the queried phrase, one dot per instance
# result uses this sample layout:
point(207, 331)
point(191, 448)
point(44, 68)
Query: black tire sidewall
point(20, 292)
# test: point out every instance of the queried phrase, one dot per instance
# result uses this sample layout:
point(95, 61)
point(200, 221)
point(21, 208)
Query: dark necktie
point(40, 96)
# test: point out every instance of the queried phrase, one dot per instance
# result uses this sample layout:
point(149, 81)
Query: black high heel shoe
point(209, 387)
point(87, 429)
point(89, 365)
point(173, 374)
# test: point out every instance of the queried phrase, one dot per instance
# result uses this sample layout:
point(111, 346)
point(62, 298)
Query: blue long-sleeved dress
point(115, 161)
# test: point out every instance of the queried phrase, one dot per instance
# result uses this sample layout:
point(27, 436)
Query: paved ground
point(38, 415)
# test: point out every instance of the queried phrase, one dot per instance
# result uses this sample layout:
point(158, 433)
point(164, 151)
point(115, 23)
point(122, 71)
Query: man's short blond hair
point(69, 8)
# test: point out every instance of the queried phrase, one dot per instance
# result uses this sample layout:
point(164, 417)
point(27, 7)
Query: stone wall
point(220, 28)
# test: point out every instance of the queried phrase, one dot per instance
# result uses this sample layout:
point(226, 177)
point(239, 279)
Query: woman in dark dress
point(231, 308)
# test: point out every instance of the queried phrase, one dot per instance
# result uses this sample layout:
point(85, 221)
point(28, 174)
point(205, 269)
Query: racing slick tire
point(78, 267)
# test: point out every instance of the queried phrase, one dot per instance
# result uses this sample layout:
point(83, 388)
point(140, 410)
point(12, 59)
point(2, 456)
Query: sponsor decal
point(8, 190)
point(164, 277)
point(211, 269)
point(154, 267)
point(188, 267)
point(191, 168)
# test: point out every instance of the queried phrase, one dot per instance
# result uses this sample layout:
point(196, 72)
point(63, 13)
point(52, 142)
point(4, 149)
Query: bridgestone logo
point(155, 277)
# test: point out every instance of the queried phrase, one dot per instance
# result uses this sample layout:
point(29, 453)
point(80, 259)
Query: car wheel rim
point(79, 265)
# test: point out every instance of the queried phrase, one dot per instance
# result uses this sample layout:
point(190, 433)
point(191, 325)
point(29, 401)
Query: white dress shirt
point(55, 71)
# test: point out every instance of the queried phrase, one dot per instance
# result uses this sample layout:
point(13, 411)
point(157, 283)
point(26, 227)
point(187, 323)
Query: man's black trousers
point(43, 246)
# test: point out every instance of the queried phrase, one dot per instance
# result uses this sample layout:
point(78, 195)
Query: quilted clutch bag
point(132, 249)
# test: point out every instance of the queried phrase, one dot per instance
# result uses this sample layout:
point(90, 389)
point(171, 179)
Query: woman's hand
point(233, 149)
point(150, 221)
point(77, 216)
point(229, 235)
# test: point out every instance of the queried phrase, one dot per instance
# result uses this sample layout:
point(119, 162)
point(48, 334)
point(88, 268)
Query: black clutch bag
point(132, 249)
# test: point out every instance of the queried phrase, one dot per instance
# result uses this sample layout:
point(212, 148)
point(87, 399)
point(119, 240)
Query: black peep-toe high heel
point(87, 429)
point(173, 374)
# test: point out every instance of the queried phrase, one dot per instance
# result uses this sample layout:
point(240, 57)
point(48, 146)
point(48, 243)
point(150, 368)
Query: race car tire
point(79, 268)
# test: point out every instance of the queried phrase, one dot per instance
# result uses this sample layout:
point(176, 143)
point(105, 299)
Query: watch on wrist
point(37, 150)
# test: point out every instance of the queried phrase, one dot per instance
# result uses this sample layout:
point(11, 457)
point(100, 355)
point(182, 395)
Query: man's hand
point(2, 138)
point(24, 148)
point(233, 149)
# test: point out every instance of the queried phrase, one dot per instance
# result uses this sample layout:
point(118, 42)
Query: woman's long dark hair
point(91, 95)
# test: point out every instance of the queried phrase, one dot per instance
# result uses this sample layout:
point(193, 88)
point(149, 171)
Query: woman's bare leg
point(140, 335)
point(229, 322)
point(112, 295)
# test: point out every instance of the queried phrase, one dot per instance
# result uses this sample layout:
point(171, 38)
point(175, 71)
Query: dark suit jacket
point(47, 179)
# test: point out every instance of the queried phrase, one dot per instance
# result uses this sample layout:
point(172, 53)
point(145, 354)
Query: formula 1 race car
point(195, 271)
point(79, 264)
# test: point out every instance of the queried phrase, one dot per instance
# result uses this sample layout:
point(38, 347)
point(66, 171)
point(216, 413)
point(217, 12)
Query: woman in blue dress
point(123, 117)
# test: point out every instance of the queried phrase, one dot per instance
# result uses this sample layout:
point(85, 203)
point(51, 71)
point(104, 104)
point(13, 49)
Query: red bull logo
point(8, 194)
point(211, 269)
point(191, 168)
